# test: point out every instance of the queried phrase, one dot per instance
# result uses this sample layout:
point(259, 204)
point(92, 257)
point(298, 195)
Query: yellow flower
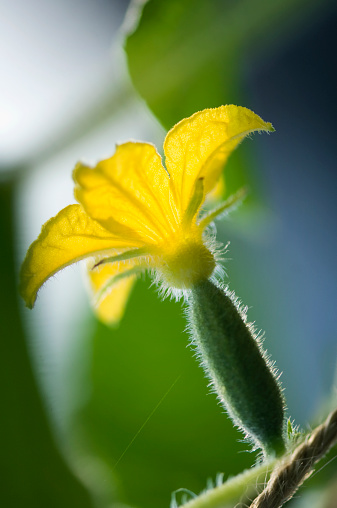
point(135, 215)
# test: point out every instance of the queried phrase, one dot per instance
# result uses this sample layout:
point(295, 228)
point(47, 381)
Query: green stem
point(243, 485)
point(240, 373)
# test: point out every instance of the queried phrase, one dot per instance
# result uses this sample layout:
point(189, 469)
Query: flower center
point(186, 265)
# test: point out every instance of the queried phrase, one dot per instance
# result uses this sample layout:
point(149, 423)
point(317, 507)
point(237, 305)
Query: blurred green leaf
point(187, 55)
point(33, 472)
point(146, 369)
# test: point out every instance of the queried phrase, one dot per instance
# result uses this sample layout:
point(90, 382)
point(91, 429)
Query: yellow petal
point(200, 145)
point(110, 307)
point(129, 190)
point(64, 239)
point(218, 192)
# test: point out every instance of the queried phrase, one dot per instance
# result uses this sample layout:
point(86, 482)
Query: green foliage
point(184, 56)
point(187, 55)
point(33, 472)
point(187, 438)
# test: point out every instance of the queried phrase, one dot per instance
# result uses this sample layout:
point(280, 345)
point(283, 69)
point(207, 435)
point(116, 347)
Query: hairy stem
point(240, 373)
point(289, 476)
point(286, 475)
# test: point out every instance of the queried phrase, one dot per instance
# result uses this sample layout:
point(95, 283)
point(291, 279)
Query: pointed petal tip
point(212, 134)
point(30, 303)
point(65, 239)
point(28, 296)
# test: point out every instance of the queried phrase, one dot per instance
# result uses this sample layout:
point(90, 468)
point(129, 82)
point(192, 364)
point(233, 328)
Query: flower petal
point(218, 191)
point(200, 145)
point(110, 307)
point(129, 190)
point(64, 239)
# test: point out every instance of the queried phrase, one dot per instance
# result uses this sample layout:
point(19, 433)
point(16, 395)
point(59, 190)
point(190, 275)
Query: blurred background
point(94, 417)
